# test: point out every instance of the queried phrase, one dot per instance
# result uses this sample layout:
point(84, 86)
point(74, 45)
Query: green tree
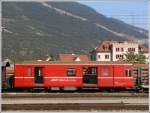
point(140, 58)
point(131, 57)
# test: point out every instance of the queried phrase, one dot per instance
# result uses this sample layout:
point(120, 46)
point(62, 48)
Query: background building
point(120, 48)
point(73, 57)
point(102, 52)
point(116, 50)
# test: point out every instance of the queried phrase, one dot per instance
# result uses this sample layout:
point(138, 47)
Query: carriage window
point(89, 70)
point(93, 70)
point(38, 71)
point(29, 72)
point(71, 72)
point(128, 72)
point(105, 72)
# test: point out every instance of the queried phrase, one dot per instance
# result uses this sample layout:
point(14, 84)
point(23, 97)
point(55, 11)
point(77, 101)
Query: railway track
point(74, 101)
point(72, 95)
point(75, 106)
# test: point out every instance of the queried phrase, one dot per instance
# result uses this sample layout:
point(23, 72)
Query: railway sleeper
point(73, 89)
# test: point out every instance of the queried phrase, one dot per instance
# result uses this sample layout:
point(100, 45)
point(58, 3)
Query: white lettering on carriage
point(62, 80)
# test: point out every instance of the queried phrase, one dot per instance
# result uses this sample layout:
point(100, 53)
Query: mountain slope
point(94, 17)
point(32, 30)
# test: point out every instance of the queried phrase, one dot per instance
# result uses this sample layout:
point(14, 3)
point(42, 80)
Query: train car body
point(73, 74)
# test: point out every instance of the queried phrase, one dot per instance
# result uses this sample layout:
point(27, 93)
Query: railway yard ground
point(75, 101)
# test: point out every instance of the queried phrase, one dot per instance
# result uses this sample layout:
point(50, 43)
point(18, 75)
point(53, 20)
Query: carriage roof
point(71, 63)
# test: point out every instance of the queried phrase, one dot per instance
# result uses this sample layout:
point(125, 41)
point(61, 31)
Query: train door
point(105, 78)
point(90, 76)
point(38, 75)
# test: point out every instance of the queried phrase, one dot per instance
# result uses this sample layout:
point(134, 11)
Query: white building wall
point(101, 56)
point(125, 47)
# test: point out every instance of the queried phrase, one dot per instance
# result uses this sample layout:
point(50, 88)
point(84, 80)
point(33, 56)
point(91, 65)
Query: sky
point(134, 13)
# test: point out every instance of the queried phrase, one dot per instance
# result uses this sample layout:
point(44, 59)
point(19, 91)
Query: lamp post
point(139, 74)
point(139, 69)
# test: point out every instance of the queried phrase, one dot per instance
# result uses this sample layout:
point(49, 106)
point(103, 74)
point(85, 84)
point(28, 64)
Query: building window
point(131, 49)
point(71, 72)
point(122, 49)
point(117, 49)
point(99, 56)
point(104, 47)
point(128, 72)
point(106, 56)
point(121, 56)
point(117, 56)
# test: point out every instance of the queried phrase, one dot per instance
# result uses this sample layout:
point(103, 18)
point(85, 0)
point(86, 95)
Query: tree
point(54, 57)
point(135, 58)
point(141, 58)
point(130, 57)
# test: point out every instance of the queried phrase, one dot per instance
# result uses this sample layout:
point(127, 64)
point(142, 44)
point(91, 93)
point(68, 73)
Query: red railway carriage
point(74, 74)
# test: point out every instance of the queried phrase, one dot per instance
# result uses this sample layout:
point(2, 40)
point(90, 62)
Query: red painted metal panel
point(105, 76)
point(19, 82)
point(19, 70)
point(22, 77)
point(28, 76)
point(56, 75)
point(120, 78)
point(63, 82)
point(60, 70)
point(119, 71)
point(123, 82)
point(105, 82)
point(19, 73)
point(28, 82)
point(55, 70)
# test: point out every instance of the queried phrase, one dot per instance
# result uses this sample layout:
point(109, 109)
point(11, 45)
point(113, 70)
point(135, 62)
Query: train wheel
point(79, 89)
point(49, 90)
point(61, 89)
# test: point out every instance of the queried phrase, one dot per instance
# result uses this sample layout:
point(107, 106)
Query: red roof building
point(102, 52)
point(73, 57)
point(104, 46)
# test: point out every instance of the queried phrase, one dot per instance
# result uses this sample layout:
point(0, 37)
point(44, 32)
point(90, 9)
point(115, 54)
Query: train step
point(90, 85)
